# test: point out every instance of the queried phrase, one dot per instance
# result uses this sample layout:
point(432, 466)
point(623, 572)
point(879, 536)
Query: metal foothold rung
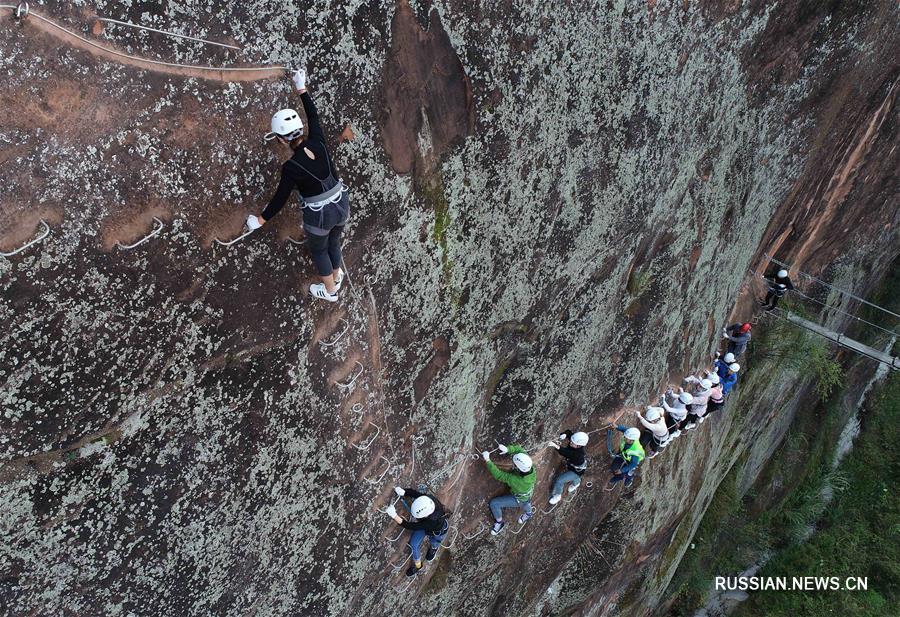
point(397, 568)
point(350, 383)
point(383, 474)
point(40, 237)
point(238, 239)
point(292, 241)
point(481, 529)
point(335, 340)
point(453, 541)
point(22, 10)
point(368, 444)
point(157, 228)
point(521, 527)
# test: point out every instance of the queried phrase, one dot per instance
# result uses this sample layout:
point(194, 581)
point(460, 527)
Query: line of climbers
point(679, 410)
point(326, 209)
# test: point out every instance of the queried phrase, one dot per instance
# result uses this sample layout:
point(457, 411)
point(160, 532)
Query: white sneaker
point(572, 488)
point(691, 426)
point(702, 419)
point(675, 434)
point(317, 290)
point(555, 499)
point(339, 281)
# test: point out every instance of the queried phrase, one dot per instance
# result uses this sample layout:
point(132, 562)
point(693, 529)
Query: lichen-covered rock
point(185, 432)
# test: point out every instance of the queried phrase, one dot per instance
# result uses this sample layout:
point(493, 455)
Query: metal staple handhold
point(369, 443)
point(153, 233)
point(550, 510)
point(453, 541)
point(383, 474)
point(481, 529)
point(399, 567)
point(334, 342)
point(521, 527)
point(22, 10)
point(40, 237)
point(238, 239)
point(353, 379)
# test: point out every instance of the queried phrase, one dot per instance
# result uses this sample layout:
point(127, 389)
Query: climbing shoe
point(555, 499)
point(524, 519)
point(431, 554)
point(572, 488)
point(690, 426)
point(675, 434)
point(317, 290)
point(702, 419)
point(497, 528)
point(412, 570)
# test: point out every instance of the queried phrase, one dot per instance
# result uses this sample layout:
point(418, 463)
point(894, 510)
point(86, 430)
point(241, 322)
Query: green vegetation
point(797, 349)
point(859, 534)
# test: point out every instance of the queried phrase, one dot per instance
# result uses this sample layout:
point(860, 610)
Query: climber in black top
point(429, 519)
point(576, 463)
point(326, 203)
point(779, 284)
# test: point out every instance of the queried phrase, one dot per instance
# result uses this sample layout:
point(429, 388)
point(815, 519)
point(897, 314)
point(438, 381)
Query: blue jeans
point(562, 479)
point(617, 464)
point(497, 505)
point(415, 541)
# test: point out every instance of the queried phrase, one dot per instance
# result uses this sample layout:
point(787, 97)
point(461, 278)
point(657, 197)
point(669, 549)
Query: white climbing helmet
point(287, 124)
point(579, 439)
point(653, 414)
point(706, 384)
point(782, 274)
point(734, 367)
point(729, 358)
point(713, 378)
point(422, 507)
point(686, 398)
point(632, 433)
point(522, 462)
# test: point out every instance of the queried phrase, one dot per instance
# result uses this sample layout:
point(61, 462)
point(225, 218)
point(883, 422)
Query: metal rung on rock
point(40, 237)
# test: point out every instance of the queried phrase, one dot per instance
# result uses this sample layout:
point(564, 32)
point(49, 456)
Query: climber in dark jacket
point(326, 203)
point(779, 285)
point(429, 519)
point(576, 463)
point(738, 336)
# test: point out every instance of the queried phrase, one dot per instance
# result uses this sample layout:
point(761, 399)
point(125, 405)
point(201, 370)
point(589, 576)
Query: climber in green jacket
point(630, 455)
point(520, 482)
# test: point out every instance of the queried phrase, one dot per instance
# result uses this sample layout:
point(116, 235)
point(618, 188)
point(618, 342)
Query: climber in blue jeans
point(429, 519)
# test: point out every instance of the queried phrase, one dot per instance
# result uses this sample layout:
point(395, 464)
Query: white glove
point(553, 444)
point(400, 492)
point(486, 455)
point(253, 222)
point(724, 333)
point(503, 449)
point(299, 78)
point(562, 437)
point(391, 511)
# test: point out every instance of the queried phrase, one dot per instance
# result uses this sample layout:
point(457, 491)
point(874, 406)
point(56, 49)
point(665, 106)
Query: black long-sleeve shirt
point(575, 457)
point(775, 281)
point(292, 176)
point(434, 523)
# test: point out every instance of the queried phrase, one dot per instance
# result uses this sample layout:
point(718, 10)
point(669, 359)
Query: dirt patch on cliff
point(427, 95)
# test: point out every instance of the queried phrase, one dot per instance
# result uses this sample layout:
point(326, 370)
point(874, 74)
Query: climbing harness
point(22, 11)
point(172, 34)
point(157, 228)
point(37, 239)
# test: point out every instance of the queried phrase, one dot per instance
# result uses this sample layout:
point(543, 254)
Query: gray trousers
point(564, 478)
point(497, 505)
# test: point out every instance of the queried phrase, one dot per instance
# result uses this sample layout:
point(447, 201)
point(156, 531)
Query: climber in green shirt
point(520, 482)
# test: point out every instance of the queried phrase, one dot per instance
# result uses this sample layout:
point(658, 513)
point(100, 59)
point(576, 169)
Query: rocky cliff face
point(555, 209)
